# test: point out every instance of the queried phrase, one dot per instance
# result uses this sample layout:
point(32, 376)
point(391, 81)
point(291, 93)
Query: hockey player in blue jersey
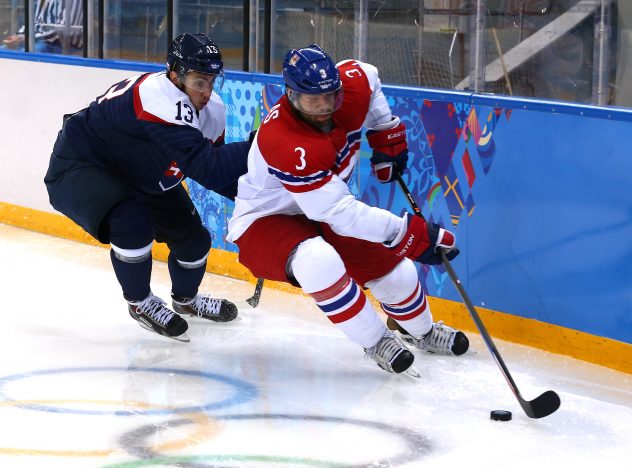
point(117, 167)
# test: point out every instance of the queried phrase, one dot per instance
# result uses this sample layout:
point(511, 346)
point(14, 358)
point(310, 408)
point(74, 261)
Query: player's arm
point(410, 236)
point(386, 134)
point(218, 168)
point(215, 168)
point(332, 203)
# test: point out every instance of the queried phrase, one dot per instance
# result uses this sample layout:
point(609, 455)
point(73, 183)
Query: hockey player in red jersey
point(117, 167)
point(296, 221)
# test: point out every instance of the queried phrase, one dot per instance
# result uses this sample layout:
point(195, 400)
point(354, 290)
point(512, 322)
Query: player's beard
point(321, 121)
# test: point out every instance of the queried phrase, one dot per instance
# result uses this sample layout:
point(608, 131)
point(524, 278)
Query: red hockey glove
point(390, 152)
point(423, 241)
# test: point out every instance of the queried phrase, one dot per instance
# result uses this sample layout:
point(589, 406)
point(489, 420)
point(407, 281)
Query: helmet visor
point(317, 104)
point(202, 82)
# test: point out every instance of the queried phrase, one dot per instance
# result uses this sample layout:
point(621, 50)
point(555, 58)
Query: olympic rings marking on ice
point(197, 461)
point(416, 445)
point(207, 428)
point(244, 391)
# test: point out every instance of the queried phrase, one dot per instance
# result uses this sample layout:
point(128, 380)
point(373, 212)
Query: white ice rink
point(81, 384)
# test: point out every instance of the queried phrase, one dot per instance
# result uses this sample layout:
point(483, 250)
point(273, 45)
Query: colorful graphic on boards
point(451, 148)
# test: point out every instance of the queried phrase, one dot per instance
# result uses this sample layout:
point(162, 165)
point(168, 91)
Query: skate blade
point(413, 372)
point(184, 338)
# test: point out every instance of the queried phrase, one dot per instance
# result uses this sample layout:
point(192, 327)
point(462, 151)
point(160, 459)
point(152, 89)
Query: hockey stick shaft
point(481, 327)
point(254, 299)
point(541, 406)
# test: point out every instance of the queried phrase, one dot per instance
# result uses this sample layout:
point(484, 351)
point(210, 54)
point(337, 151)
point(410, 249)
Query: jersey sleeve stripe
point(353, 139)
point(301, 188)
point(288, 178)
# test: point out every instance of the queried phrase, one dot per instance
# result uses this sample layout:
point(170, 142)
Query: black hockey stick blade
point(253, 301)
point(542, 406)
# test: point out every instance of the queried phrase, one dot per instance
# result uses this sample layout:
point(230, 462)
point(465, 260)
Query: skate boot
point(152, 313)
point(203, 305)
point(390, 354)
point(441, 339)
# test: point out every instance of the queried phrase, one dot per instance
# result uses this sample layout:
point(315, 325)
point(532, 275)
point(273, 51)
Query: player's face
point(198, 87)
point(317, 109)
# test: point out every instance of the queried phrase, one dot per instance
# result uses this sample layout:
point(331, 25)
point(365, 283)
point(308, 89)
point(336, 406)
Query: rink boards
point(537, 193)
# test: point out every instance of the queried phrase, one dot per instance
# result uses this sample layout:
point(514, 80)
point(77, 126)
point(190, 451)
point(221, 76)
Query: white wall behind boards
point(34, 97)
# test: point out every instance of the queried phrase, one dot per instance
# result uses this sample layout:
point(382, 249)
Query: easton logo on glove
point(399, 135)
point(423, 242)
point(390, 152)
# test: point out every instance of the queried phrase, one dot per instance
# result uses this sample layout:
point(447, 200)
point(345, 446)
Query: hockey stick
point(541, 406)
point(254, 299)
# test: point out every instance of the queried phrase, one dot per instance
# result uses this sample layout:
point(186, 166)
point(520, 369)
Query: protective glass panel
point(55, 26)
point(12, 24)
point(223, 23)
point(326, 23)
point(418, 43)
point(568, 50)
point(136, 30)
point(390, 35)
point(541, 49)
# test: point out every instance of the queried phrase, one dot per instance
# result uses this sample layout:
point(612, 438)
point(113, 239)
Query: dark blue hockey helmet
point(194, 52)
point(310, 70)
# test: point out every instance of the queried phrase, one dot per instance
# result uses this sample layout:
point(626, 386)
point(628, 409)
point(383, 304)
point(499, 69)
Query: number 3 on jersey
point(301, 157)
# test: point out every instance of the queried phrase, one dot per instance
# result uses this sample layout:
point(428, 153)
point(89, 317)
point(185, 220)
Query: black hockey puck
point(500, 415)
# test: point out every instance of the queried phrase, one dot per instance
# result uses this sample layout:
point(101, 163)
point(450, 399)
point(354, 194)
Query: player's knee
point(191, 251)
point(396, 285)
point(132, 255)
point(129, 225)
point(190, 264)
point(316, 265)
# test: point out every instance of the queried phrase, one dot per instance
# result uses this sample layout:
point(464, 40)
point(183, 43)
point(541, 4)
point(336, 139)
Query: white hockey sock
point(413, 313)
point(403, 299)
point(346, 305)
point(321, 273)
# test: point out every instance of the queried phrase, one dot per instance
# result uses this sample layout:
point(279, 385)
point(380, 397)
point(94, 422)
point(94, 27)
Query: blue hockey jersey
point(146, 131)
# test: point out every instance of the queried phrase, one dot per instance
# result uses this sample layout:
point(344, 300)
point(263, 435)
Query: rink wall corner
point(541, 335)
point(560, 340)
point(537, 193)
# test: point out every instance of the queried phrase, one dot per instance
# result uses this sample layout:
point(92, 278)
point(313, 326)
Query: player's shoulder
point(159, 100)
point(212, 118)
point(355, 72)
point(290, 145)
point(216, 101)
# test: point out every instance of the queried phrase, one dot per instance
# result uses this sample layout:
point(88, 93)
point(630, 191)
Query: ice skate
point(441, 339)
point(390, 354)
point(153, 314)
point(205, 306)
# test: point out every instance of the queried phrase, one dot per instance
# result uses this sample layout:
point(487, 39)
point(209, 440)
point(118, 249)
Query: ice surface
point(81, 384)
